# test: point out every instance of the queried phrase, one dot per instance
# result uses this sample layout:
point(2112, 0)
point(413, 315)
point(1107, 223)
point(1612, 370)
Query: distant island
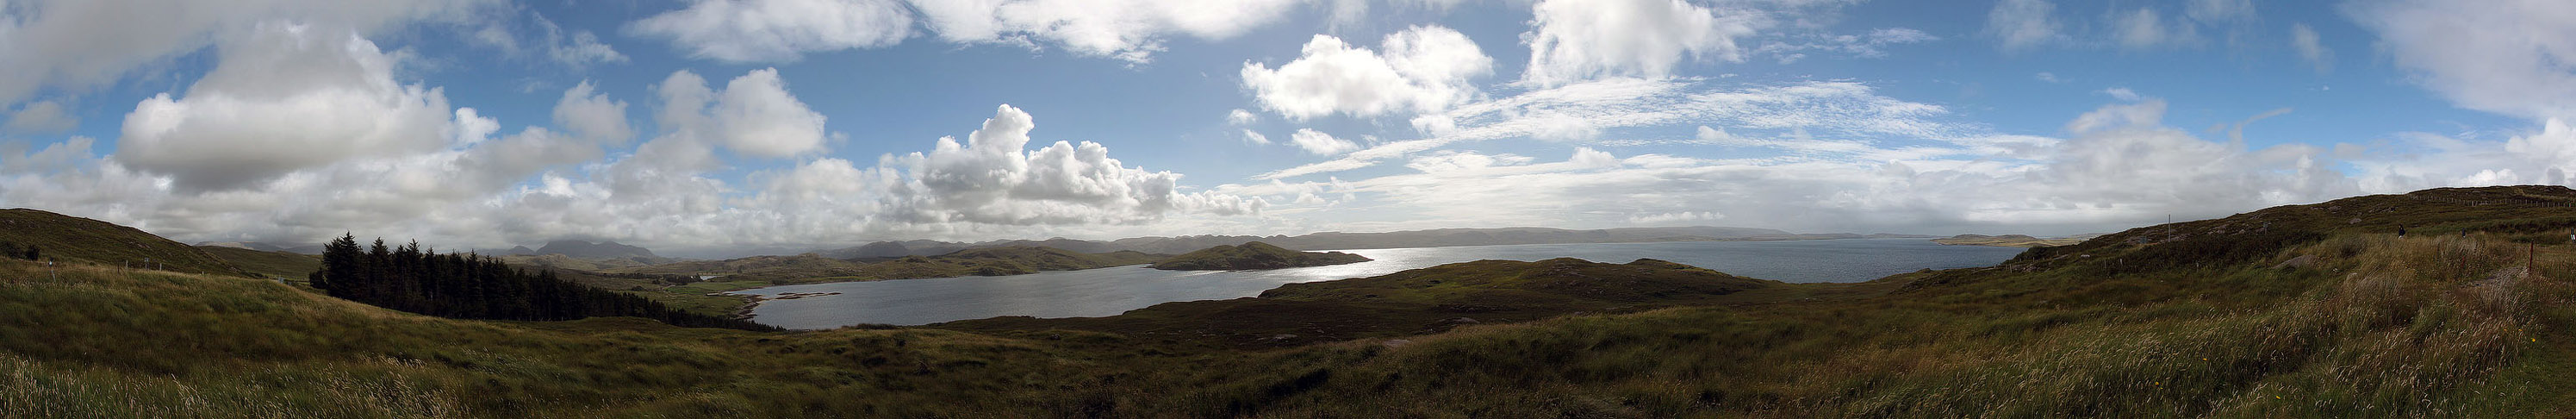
point(2012, 240)
point(1254, 255)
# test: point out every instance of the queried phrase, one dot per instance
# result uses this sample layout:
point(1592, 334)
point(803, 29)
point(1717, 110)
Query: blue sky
point(714, 126)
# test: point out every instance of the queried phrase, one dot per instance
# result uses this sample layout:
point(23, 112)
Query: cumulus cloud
point(2024, 24)
point(1255, 137)
point(290, 97)
point(1240, 117)
point(991, 178)
point(2425, 160)
point(1319, 143)
point(76, 44)
point(40, 117)
point(2509, 58)
point(1575, 40)
point(777, 30)
point(1131, 30)
point(15, 158)
point(593, 115)
point(754, 115)
point(1421, 69)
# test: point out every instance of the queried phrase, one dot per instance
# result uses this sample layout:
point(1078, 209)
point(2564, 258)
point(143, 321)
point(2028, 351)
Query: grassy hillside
point(69, 238)
point(810, 268)
point(99, 342)
point(2266, 314)
point(763, 268)
point(1254, 255)
point(997, 261)
point(276, 265)
point(1425, 300)
point(582, 264)
point(2008, 240)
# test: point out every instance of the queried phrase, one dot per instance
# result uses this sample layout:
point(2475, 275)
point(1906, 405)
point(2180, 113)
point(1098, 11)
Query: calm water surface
point(1109, 291)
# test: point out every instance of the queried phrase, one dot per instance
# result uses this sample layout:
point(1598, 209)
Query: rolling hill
point(69, 238)
point(279, 264)
point(2009, 240)
point(1341, 240)
point(2317, 310)
point(810, 268)
point(1254, 255)
point(1427, 300)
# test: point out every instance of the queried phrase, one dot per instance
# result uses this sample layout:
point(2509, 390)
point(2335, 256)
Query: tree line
point(469, 286)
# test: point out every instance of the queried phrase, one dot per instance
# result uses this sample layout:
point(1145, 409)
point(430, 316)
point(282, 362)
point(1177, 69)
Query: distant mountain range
point(588, 250)
point(1338, 240)
point(308, 249)
point(585, 250)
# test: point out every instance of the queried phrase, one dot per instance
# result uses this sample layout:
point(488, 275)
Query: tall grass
point(2354, 325)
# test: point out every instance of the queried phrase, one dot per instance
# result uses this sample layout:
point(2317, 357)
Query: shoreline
point(754, 300)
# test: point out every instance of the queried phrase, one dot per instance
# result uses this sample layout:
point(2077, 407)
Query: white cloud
point(2024, 24)
point(1575, 40)
point(778, 30)
point(2304, 40)
point(1240, 117)
point(2139, 29)
point(2509, 58)
point(2048, 77)
point(2116, 172)
point(2122, 93)
point(471, 127)
point(1585, 111)
point(990, 179)
point(593, 115)
point(753, 115)
point(761, 119)
point(576, 49)
point(289, 97)
point(1131, 30)
point(1319, 143)
point(65, 155)
point(1450, 160)
point(1422, 69)
point(40, 117)
point(1871, 45)
point(71, 45)
point(1255, 138)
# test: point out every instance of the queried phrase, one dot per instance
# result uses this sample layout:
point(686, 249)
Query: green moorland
point(2300, 311)
point(1254, 255)
point(2008, 240)
point(810, 268)
point(287, 266)
point(76, 239)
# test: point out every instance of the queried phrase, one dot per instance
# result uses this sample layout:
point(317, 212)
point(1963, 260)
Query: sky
point(726, 127)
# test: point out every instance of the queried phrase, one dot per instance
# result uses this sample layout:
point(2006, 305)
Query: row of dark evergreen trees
point(468, 286)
